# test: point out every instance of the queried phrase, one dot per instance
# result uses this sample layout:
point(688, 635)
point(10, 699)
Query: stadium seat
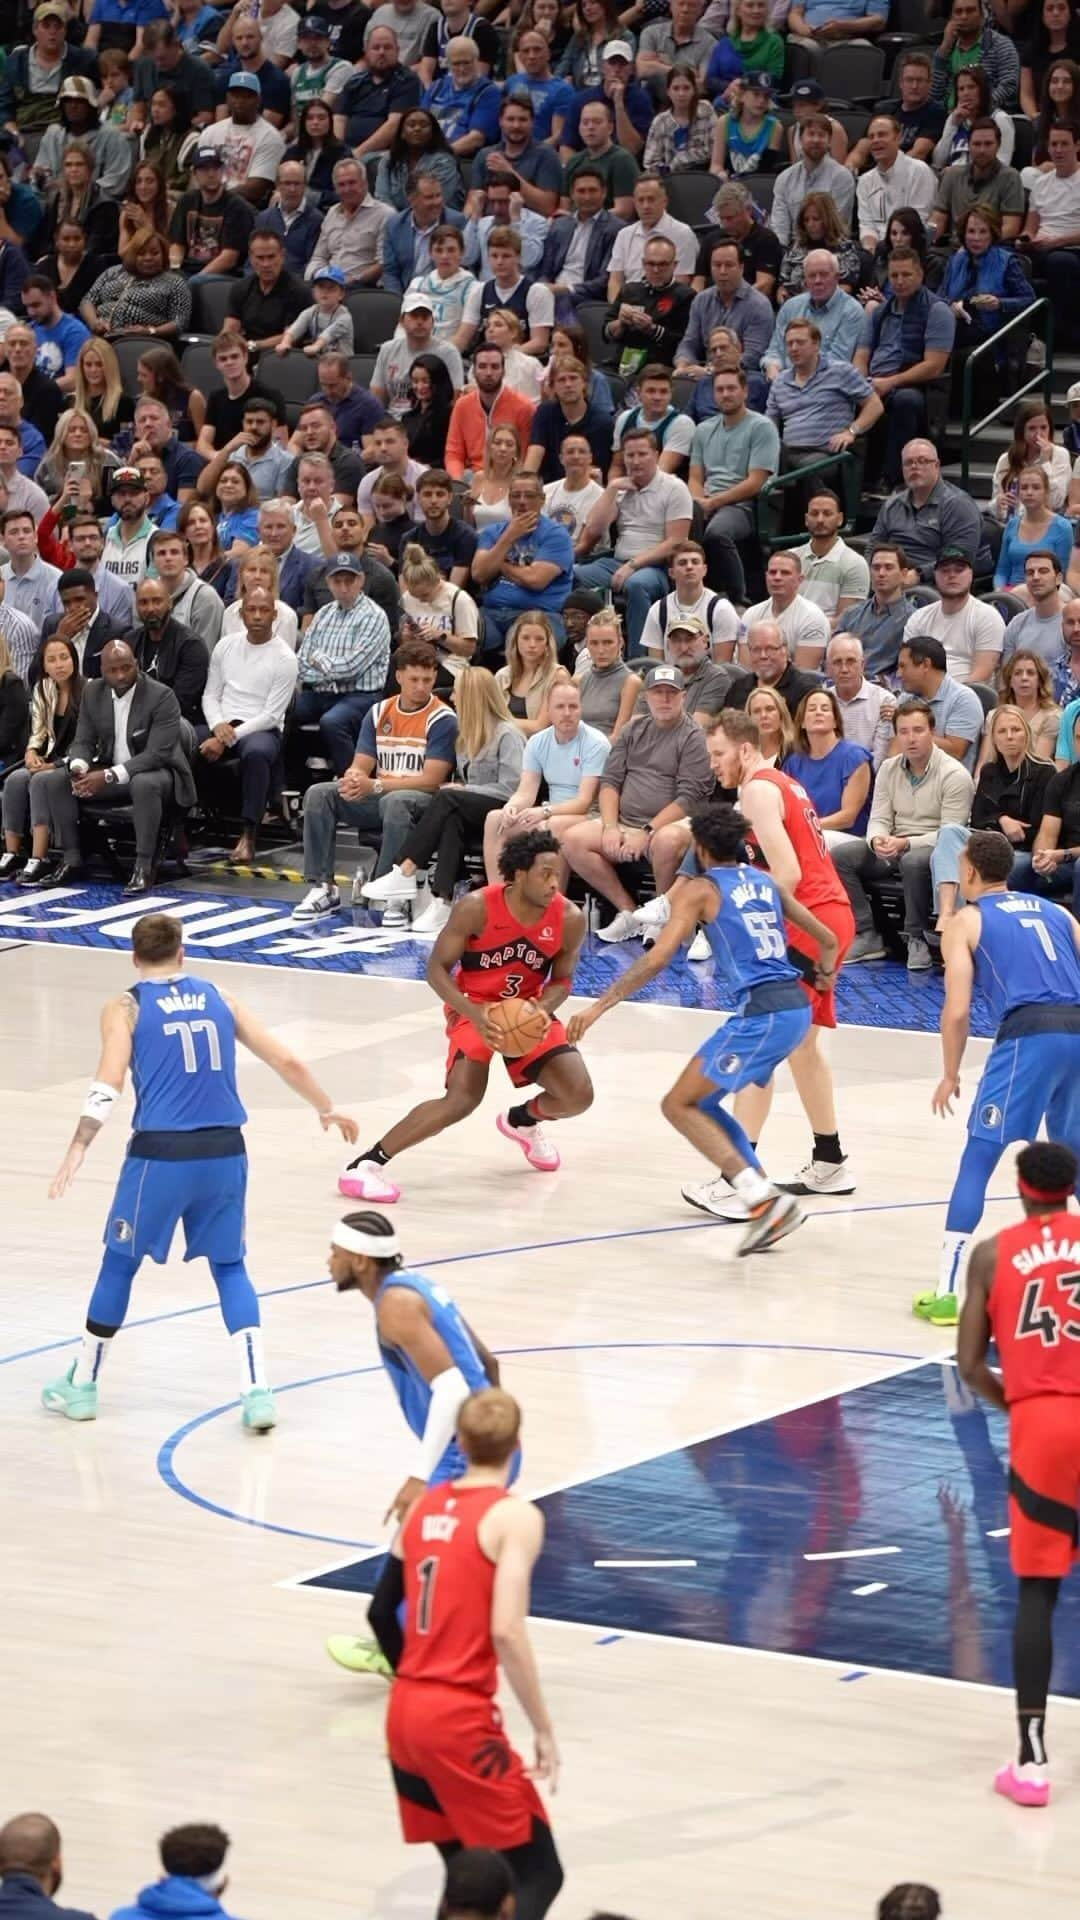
point(986, 696)
point(1007, 604)
point(590, 317)
point(209, 305)
point(292, 376)
point(922, 596)
point(850, 71)
point(200, 367)
point(375, 314)
point(690, 195)
point(129, 351)
point(362, 366)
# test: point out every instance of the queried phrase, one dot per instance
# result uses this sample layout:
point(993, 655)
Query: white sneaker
point(699, 948)
point(317, 904)
point(395, 914)
point(363, 1180)
point(655, 912)
point(394, 885)
point(432, 921)
point(623, 927)
point(821, 1176)
point(717, 1198)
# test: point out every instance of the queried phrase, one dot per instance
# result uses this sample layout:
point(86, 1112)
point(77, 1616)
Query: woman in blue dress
point(836, 773)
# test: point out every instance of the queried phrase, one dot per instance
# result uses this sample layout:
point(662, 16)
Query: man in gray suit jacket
point(126, 748)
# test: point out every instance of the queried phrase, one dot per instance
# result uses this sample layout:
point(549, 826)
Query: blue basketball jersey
point(747, 937)
point(413, 1391)
point(1026, 956)
point(183, 1058)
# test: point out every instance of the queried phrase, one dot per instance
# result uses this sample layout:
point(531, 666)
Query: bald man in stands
point(31, 1871)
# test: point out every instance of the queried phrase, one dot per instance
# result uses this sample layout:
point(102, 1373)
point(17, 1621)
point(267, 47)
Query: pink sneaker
point(1026, 1786)
point(363, 1180)
point(534, 1144)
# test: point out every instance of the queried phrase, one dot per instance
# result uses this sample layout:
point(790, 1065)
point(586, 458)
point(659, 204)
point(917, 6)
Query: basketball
point(520, 1025)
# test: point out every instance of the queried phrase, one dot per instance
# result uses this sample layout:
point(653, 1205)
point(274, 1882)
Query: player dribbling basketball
point(520, 940)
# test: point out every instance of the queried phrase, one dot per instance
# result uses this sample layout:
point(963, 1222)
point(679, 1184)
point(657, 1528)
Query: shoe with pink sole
point(534, 1144)
point(365, 1180)
point(1025, 1786)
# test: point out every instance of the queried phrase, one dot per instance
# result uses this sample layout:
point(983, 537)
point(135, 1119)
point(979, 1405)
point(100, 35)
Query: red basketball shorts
point(457, 1776)
point(1044, 1483)
point(465, 1043)
point(839, 919)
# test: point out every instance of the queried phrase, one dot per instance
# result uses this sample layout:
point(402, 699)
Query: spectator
point(921, 118)
point(1055, 35)
point(630, 106)
point(1038, 628)
point(326, 326)
point(410, 236)
point(957, 712)
point(910, 1900)
point(533, 171)
point(970, 41)
point(14, 715)
point(818, 228)
point(769, 655)
point(1059, 99)
point(70, 265)
point(971, 632)
point(130, 531)
point(343, 659)
point(529, 72)
point(419, 150)
point(725, 356)
point(1065, 670)
point(680, 139)
point(680, 41)
point(649, 317)
point(250, 144)
point(906, 342)
point(194, 1861)
point(524, 563)
point(609, 688)
point(866, 708)
point(672, 430)
point(1010, 792)
point(427, 422)
point(141, 295)
point(1052, 868)
point(732, 457)
point(98, 391)
point(154, 434)
point(343, 532)
point(595, 21)
point(248, 59)
point(264, 304)
point(34, 73)
point(86, 549)
point(123, 708)
point(19, 491)
point(895, 180)
point(31, 1867)
point(578, 246)
point(973, 103)
point(317, 149)
point(390, 448)
point(819, 404)
point(531, 300)
point(449, 541)
point(1033, 529)
point(443, 616)
point(749, 137)
point(250, 684)
point(707, 683)
point(1051, 235)
point(918, 790)
point(569, 411)
point(19, 634)
point(532, 669)
point(834, 576)
point(984, 283)
point(464, 99)
point(1033, 444)
point(210, 228)
point(160, 505)
point(728, 302)
point(486, 404)
point(653, 511)
point(391, 381)
point(926, 515)
point(835, 772)
point(749, 45)
point(653, 222)
point(410, 22)
point(31, 587)
point(600, 156)
point(815, 172)
point(352, 408)
point(192, 602)
point(804, 626)
point(316, 434)
point(254, 448)
point(277, 531)
point(166, 62)
point(317, 75)
point(82, 621)
point(878, 622)
point(447, 284)
point(353, 234)
point(290, 218)
point(810, 22)
point(499, 205)
point(168, 650)
point(30, 440)
point(77, 197)
point(737, 218)
point(691, 599)
point(314, 485)
point(490, 750)
point(208, 563)
point(54, 712)
point(980, 181)
point(657, 772)
point(568, 756)
point(838, 318)
point(488, 498)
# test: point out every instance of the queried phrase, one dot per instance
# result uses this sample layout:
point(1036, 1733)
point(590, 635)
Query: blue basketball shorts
point(1033, 1078)
point(154, 1197)
point(747, 1051)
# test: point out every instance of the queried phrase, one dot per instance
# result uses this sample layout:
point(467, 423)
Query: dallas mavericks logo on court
point(990, 1116)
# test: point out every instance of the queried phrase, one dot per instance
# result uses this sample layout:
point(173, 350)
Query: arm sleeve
point(383, 1611)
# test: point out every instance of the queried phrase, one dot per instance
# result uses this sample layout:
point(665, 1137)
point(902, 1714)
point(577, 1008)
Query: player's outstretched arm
point(564, 965)
point(695, 901)
point(973, 1333)
point(829, 945)
point(117, 1026)
point(957, 951)
point(259, 1041)
point(514, 1533)
point(466, 920)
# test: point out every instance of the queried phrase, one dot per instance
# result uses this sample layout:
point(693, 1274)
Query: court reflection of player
point(1023, 1290)
point(463, 1563)
point(519, 941)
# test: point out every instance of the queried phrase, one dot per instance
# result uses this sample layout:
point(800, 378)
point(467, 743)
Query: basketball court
point(773, 1614)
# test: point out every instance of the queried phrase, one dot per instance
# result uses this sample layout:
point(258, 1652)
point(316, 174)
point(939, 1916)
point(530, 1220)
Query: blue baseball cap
point(243, 83)
point(314, 23)
point(345, 563)
point(329, 273)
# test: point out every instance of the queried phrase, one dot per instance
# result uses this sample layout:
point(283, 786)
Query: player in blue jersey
point(432, 1358)
point(742, 909)
point(1023, 954)
point(185, 1159)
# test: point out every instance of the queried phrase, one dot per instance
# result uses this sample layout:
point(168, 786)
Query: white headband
point(377, 1246)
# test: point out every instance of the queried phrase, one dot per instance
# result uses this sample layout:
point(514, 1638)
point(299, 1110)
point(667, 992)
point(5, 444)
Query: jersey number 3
point(1036, 1320)
point(186, 1031)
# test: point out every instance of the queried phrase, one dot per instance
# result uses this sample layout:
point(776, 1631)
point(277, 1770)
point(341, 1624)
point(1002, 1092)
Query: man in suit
point(126, 748)
point(82, 621)
point(168, 651)
point(577, 252)
point(407, 237)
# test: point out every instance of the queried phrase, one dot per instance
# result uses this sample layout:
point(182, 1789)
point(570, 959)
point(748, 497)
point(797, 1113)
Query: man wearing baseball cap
point(130, 531)
point(78, 101)
point(972, 633)
point(210, 229)
point(250, 147)
point(318, 75)
point(632, 105)
point(343, 660)
point(390, 379)
point(658, 771)
point(34, 74)
point(707, 683)
point(250, 53)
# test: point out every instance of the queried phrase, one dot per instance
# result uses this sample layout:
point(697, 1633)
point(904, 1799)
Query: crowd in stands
point(314, 478)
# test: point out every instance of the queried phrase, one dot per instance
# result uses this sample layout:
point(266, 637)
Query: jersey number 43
point(1037, 1320)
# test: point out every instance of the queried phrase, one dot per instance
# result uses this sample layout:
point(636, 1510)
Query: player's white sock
point(249, 1346)
point(953, 1263)
point(92, 1356)
point(752, 1186)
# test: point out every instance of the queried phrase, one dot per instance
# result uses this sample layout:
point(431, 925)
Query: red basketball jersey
point(1034, 1306)
point(506, 961)
point(819, 881)
point(448, 1586)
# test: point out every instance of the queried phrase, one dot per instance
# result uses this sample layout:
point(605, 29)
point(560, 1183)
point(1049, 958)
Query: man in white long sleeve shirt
point(248, 689)
point(894, 180)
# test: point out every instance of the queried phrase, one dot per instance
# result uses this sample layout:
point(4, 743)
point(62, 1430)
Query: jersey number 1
point(187, 1029)
point(428, 1573)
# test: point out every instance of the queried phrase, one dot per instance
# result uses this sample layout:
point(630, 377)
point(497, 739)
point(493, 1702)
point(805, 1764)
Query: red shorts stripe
point(1044, 1458)
point(839, 919)
point(456, 1774)
point(465, 1042)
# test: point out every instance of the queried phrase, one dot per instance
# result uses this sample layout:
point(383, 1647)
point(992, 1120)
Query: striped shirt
point(346, 649)
point(22, 637)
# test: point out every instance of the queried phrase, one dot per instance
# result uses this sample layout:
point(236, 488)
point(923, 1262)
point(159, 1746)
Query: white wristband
point(99, 1103)
point(448, 1390)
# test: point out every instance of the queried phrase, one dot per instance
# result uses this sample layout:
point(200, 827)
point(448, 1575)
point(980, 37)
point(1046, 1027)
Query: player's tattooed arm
point(973, 1333)
point(694, 902)
point(117, 1026)
point(564, 965)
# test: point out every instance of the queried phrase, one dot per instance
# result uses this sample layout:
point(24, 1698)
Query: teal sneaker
point(258, 1414)
point(359, 1656)
point(63, 1396)
point(940, 1309)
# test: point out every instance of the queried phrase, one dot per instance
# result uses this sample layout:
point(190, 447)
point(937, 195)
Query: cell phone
point(76, 470)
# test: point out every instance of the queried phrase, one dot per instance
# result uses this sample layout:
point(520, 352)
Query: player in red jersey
point(517, 941)
point(787, 833)
point(463, 1561)
point(1023, 1291)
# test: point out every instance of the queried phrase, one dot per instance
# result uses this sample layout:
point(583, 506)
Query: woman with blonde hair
point(522, 372)
point(818, 224)
point(531, 670)
point(99, 388)
point(258, 567)
point(490, 752)
point(1010, 798)
point(488, 497)
point(54, 713)
point(609, 688)
point(1025, 683)
point(435, 611)
point(76, 468)
point(772, 717)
